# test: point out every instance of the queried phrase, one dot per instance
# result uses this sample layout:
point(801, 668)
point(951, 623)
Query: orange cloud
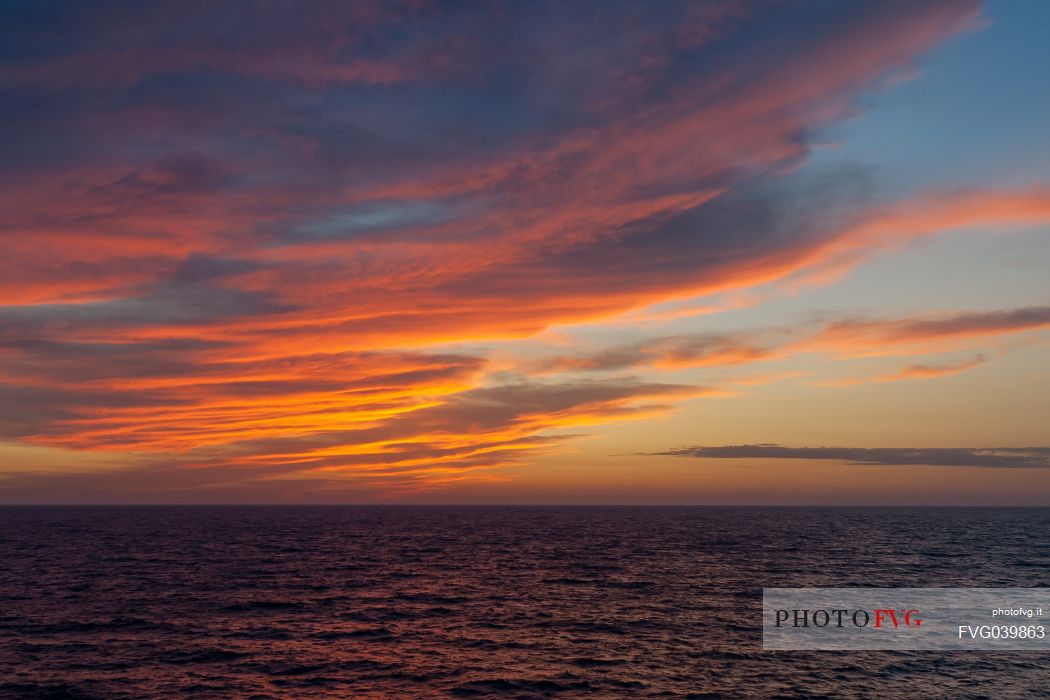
point(931, 371)
point(232, 250)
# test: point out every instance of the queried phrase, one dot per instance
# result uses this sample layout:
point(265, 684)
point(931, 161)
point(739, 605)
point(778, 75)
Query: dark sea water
point(483, 602)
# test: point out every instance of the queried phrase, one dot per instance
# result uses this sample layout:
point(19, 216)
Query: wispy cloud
point(1002, 457)
point(922, 371)
point(238, 242)
point(848, 337)
point(942, 329)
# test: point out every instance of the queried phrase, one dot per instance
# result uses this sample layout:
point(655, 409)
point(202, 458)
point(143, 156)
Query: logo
point(907, 618)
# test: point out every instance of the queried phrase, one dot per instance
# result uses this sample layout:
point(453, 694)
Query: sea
point(235, 602)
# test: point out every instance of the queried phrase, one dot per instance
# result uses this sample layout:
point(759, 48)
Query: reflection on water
point(270, 602)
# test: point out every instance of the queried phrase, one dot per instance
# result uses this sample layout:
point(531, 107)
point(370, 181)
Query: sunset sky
point(525, 252)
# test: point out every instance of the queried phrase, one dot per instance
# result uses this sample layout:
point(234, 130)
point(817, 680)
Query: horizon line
point(511, 505)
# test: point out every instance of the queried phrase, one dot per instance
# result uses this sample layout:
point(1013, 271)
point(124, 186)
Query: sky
point(738, 252)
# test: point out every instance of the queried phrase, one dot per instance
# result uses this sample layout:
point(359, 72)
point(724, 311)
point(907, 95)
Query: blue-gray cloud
point(1001, 457)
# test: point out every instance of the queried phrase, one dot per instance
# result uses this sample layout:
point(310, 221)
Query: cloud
point(327, 42)
point(930, 371)
point(481, 201)
point(943, 329)
point(397, 450)
point(993, 457)
point(236, 239)
point(156, 397)
point(669, 352)
point(847, 337)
